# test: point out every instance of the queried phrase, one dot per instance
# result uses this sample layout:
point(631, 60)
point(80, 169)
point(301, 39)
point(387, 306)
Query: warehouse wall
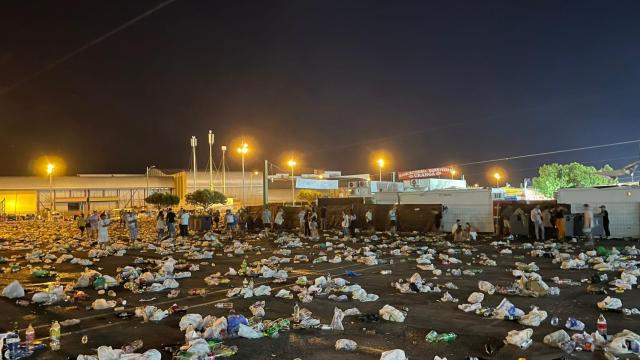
point(20, 202)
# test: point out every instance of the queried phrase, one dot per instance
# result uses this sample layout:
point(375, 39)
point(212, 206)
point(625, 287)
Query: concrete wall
point(623, 204)
point(468, 205)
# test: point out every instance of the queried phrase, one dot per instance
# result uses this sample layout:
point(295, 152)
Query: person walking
point(455, 227)
point(605, 221)
point(560, 225)
point(352, 222)
point(160, 225)
point(184, 223)
point(323, 218)
point(307, 225)
point(437, 221)
point(393, 219)
point(587, 224)
point(315, 235)
point(536, 219)
point(505, 215)
point(216, 218)
point(301, 221)
point(81, 221)
point(132, 223)
point(171, 223)
point(229, 220)
point(103, 232)
point(266, 219)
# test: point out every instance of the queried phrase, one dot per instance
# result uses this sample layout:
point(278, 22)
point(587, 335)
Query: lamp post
point(194, 144)
point(224, 171)
point(453, 173)
point(146, 192)
point(292, 164)
point(380, 166)
point(497, 176)
point(242, 150)
point(50, 168)
point(211, 139)
point(253, 173)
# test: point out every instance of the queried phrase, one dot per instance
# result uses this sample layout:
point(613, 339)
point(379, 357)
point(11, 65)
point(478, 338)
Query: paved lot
point(425, 312)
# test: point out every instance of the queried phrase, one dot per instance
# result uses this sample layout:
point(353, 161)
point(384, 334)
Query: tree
point(162, 199)
point(309, 196)
point(205, 198)
point(552, 177)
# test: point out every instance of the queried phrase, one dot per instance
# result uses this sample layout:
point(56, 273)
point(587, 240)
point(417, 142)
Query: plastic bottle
point(54, 334)
point(602, 325)
point(30, 335)
point(296, 313)
point(224, 305)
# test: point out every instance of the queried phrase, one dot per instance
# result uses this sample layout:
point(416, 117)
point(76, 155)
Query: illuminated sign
point(424, 173)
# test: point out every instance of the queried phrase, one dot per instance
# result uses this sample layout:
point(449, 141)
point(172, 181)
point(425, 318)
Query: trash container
point(574, 225)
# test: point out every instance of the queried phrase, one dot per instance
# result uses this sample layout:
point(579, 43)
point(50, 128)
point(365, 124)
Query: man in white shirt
point(132, 223)
point(368, 216)
point(536, 219)
point(184, 223)
point(393, 219)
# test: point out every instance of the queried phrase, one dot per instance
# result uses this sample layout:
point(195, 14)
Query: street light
point(242, 150)
point(292, 164)
point(380, 166)
point(453, 173)
point(254, 173)
point(50, 168)
point(224, 171)
point(146, 193)
point(497, 176)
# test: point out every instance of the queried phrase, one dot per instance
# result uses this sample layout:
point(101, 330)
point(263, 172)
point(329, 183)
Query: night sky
point(430, 82)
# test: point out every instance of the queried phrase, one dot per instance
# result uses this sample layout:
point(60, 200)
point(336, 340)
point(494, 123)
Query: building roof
point(85, 182)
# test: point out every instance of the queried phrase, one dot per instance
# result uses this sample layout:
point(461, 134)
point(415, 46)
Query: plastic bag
point(556, 338)
point(108, 353)
point(475, 298)
point(257, 309)
point(574, 324)
point(487, 287)
point(521, 339)
point(234, 322)
point(395, 354)
point(13, 290)
point(533, 318)
point(610, 303)
point(390, 313)
point(262, 290)
point(336, 322)
point(199, 347)
point(248, 332)
point(194, 320)
point(346, 345)
point(101, 304)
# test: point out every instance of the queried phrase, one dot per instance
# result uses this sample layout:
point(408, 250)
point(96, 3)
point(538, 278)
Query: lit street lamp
point(497, 176)
point(380, 166)
point(254, 173)
point(242, 150)
point(50, 168)
point(453, 173)
point(146, 192)
point(292, 164)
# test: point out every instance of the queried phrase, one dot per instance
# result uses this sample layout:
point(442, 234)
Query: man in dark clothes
point(323, 218)
point(171, 223)
point(605, 220)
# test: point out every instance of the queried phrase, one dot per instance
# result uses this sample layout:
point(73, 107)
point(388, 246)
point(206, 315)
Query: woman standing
point(279, 220)
point(160, 225)
point(103, 230)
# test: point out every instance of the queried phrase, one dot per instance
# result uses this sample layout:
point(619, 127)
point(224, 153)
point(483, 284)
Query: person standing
point(266, 219)
point(346, 219)
point(307, 223)
point(587, 224)
point(505, 215)
point(605, 221)
point(437, 221)
point(536, 219)
point(229, 220)
point(352, 222)
point(184, 223)
point(369, 219)
point(171, 223)
point(323, 218)
point(546, 222)
point(160, 225)
point(216, 218)
point(455, 227)
point(132, 224)
point(122, 215)
point(301, 221)
point(103, 232)
point(81, 221)
point(393, 219)
point(315, 235)
point(279, 220)
point(560, 224)
point(93, 223)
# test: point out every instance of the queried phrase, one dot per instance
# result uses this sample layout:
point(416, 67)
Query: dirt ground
point(425, 311)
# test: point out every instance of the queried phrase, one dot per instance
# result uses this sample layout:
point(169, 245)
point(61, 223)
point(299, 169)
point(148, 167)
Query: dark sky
point(431, 82)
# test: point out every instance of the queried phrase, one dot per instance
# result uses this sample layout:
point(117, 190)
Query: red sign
point(424, 173)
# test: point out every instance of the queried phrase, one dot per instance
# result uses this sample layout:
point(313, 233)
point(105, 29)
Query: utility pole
point(211, 138)
point(265, 184)
point(194, 144)
point(224, 171)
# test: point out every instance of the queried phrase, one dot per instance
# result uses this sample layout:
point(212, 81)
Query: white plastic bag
point(346, 345)
point(336, 322)
point(475, 298)
point(390, 313)
point(190, 319)
point(13, 290)
point(248, 332)
point(395, 354)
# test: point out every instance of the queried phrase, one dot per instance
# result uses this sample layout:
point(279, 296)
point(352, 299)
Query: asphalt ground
point(425, 311)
